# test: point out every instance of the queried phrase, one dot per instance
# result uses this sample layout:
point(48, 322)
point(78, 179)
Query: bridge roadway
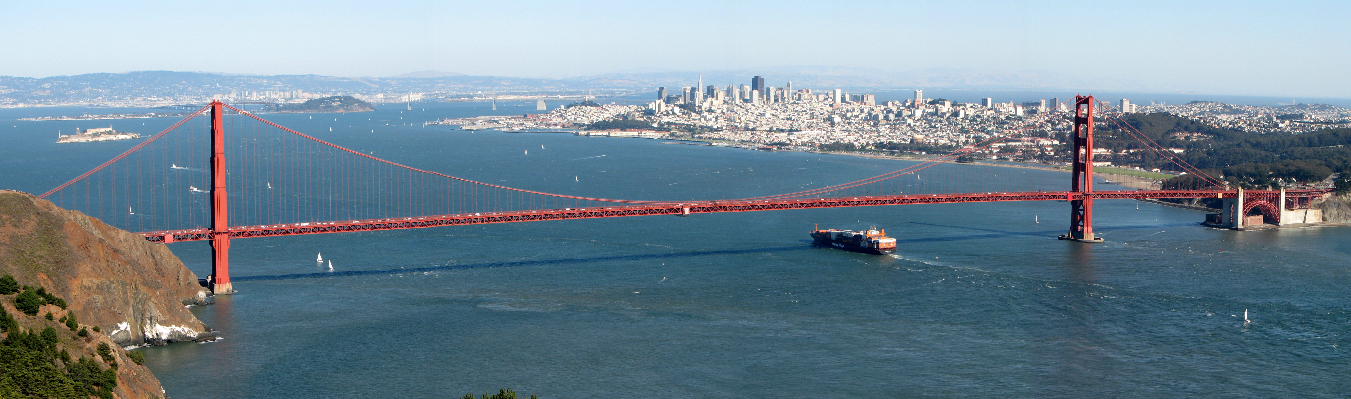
point(681, 208)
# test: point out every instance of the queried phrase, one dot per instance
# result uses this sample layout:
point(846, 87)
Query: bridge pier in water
point(219, 280)
point(1081, 186)
point(1248, 209)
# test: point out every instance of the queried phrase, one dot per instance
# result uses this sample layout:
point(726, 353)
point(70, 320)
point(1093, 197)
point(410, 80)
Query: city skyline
point(1238, 48)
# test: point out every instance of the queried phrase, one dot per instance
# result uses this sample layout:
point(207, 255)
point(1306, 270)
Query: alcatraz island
point(96, 134)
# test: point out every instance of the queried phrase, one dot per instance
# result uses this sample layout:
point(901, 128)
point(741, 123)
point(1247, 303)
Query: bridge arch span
point(1270, 213)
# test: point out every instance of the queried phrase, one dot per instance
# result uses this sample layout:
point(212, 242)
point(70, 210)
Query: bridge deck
point(682, 208)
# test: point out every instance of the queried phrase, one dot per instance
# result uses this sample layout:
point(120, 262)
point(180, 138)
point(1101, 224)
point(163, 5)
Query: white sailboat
point(320, 258)
point(129, 212)
point(269, 185)
point(1036, 218)
point(330, 265)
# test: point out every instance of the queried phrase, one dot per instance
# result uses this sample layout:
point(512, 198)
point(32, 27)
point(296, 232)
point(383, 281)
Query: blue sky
point(1275, 48)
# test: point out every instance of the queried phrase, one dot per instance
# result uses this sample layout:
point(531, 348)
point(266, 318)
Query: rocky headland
point(116, 288)
point(1337, 208)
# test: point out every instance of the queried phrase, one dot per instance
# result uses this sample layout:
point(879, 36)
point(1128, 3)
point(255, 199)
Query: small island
point(87, 117)
point(96, 134)
point(324, 105)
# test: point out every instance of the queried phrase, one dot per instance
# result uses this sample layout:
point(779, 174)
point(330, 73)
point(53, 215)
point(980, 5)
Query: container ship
point(872, 241)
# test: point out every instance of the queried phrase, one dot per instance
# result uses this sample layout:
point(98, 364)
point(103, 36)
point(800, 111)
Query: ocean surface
point(980, 299)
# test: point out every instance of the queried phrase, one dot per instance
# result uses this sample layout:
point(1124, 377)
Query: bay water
point(979, 300)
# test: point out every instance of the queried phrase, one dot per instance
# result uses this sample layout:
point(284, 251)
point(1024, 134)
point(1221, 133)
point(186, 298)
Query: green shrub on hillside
point(29, 302)
point(8, 285)
point(28, 369)
point(7, 322)
point(105, 352)
point(49, 336)
point(52, 299)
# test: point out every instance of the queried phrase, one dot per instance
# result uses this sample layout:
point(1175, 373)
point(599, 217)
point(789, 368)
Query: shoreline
point(1127, 181)
point(1124, 180)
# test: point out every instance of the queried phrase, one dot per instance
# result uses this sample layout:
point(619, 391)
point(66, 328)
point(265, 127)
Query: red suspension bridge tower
point(220, 229)
point(1081, 183)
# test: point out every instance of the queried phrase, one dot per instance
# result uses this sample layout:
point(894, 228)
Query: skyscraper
point(661, 93)
point(919, 98)
point(758, 83)
point(1054, 104)
point(1126, 106)
point(699, 91)
point(987, 102)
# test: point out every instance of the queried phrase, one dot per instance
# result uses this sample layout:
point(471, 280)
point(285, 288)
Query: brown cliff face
point(134, 290)
point(1336, 209)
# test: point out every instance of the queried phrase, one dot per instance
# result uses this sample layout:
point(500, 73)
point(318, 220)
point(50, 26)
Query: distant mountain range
point(169, 86)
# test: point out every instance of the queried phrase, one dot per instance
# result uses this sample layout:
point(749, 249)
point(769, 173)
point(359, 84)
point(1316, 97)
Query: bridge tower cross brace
point(1081, 208)
point(220, 235)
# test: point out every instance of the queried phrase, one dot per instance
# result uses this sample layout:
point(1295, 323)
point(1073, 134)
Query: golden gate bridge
point(179, 185)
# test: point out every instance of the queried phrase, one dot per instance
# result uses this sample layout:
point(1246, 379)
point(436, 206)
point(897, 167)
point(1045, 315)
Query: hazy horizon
point(1224, 48)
